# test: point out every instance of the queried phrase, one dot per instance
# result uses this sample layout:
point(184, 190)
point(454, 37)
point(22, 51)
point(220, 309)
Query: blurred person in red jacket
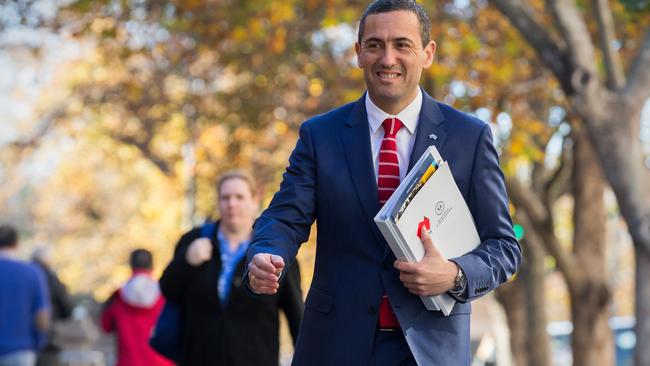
point(132, 311)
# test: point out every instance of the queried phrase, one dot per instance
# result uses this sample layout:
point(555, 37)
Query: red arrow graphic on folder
point(424, 223)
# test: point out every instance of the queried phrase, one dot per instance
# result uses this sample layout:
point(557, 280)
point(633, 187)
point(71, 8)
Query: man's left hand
point(433, 275)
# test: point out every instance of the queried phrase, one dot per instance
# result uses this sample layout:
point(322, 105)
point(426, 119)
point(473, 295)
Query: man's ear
point(357, 48)
point(429, 52)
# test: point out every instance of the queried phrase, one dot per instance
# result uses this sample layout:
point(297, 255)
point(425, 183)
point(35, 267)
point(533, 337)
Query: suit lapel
point(355, 138)
point(356, 143)
point(430, 131)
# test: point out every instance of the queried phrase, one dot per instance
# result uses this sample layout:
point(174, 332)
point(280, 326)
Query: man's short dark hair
point(141, 259)
point(385, 6)
point(8, 236)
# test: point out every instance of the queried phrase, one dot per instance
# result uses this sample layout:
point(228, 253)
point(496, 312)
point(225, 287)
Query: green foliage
point(641, 6)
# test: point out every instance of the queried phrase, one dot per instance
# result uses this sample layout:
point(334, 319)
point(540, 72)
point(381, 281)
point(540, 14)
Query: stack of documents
point(428, 197)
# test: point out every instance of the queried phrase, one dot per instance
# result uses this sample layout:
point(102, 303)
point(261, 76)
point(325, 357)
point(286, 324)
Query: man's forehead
point(392, 25)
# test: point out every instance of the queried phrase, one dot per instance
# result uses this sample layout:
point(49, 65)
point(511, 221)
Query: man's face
point(237, 204)
point(392, 58)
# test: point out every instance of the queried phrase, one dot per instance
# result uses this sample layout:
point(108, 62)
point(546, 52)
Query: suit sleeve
point(285, 224)
point(291, 300)
point(497, 257)
point(178, 272)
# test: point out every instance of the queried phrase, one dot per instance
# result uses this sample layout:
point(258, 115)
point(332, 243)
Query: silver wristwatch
point(459, 282)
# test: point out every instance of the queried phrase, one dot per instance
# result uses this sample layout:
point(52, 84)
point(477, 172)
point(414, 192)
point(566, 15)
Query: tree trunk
point(619, 151)
point(592, 341)
point(511, 296)
point(642, 352)
point(614, 131)
point(613, 120)
point(524, 301)
point(538, 339)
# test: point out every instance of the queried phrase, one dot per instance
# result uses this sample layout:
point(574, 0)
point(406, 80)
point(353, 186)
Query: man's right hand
point(264, 273)
point(199, 252)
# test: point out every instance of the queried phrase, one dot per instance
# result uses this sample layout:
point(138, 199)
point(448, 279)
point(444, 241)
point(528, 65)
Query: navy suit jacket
point(331, 179)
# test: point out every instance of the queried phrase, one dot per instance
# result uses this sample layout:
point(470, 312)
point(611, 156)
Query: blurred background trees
point(119, 144)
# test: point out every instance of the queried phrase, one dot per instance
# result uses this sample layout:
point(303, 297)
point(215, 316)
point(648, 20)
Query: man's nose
point(388, 56)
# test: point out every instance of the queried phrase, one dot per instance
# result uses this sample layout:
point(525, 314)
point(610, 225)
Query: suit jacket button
point(372, 310)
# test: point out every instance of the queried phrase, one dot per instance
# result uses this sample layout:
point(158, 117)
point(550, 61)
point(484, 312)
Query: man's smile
point(387, 75)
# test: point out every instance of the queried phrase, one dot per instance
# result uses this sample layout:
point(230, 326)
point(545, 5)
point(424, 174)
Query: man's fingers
point(262, 275)
point(277, 262)
point(411, 279)
point(264, 267)
point(406, 278)
point(263, 262)
point(429, 248)
point(403, 266)
point(262, 286)
point(266, 290)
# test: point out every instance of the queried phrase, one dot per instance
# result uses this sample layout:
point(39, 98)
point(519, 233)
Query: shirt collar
point(409, 115)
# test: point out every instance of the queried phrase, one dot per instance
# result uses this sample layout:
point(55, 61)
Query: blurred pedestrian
point(131, 313)
point(59, 299)
point(24, 305)
point(223, 323)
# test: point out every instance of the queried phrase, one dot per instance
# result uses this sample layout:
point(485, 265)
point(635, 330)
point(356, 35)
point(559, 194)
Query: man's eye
point(403, 45)
point(372, 46)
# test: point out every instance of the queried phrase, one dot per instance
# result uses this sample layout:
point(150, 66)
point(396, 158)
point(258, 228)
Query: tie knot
point(391, 126)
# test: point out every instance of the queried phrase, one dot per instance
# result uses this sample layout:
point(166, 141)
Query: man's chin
point(386, 95)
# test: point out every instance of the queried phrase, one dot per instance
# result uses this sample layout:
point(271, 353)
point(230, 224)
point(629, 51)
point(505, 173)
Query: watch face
point(459, 278)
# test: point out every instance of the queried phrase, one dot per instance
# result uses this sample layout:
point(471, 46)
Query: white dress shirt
point(405, 136)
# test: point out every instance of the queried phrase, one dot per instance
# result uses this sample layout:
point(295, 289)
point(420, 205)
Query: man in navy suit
point(362, 307)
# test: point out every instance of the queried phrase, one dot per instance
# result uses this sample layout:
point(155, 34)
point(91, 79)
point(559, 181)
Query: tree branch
point(578, 42)
point(164, 167)
point(560, 181)
point(613, 64)
point(637, 90)
point(549, 50)
point(524, 198)
point(46, 124)
point(526, 201)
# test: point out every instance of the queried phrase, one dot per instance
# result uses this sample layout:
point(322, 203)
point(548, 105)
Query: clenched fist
point(264, 273)
point(199, 252)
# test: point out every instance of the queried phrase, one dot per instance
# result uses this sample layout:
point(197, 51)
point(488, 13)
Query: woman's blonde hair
point(238, 174)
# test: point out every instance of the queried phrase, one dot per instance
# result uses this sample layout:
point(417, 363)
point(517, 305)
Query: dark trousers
point(391, 349)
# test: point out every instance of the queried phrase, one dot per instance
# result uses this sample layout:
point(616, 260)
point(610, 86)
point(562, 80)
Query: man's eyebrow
point(403, 39)
point(398, 39)
point(373, 39)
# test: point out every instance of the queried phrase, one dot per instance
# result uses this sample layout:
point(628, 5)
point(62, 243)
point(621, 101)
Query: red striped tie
point(387, 182)
point(388, 172)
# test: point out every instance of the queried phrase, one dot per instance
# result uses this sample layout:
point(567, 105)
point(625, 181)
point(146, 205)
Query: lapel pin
point(433, 137)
